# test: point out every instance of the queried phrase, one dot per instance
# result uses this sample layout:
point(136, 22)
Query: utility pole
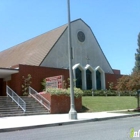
point(72, 112)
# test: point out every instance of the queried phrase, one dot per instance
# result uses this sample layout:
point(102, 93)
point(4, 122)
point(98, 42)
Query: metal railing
point(43, 101)
point(18, 100)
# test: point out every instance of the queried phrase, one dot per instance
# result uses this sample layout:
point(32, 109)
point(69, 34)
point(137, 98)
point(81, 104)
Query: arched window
point(98, 80)
point(89, 79)
point(78, 78)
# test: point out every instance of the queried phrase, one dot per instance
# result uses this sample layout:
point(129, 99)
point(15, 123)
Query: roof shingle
point(31, 52)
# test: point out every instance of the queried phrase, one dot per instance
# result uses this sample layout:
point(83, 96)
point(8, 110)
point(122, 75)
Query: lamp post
point(138, 100)
point(72, 112)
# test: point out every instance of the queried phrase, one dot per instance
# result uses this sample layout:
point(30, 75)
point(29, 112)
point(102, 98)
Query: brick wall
point(61, 103)
point(15, 83)
point(116, 71)
point(111, 78)
point(37, 73)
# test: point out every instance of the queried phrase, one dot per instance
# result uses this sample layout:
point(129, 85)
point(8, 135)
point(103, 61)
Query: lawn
point(97, 104)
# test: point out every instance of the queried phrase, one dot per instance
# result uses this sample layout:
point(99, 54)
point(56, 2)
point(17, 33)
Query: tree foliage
point(26, 83)
point(129, 82)
point(137, 56)
point(122, 84)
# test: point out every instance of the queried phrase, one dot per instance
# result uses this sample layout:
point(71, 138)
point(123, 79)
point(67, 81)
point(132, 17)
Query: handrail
point(43, 101)
point(19, 101)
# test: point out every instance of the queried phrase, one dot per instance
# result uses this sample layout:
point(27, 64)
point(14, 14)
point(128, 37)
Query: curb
point(66, 123)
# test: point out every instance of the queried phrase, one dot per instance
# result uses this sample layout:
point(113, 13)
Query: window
point(78, 78)
point(98, 80)
point(89, 79)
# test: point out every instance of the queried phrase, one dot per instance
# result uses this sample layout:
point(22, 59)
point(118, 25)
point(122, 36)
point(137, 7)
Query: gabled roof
point(31, 52)
point(35, 50)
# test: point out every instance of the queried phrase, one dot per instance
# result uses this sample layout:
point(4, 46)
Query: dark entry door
point(1, 87)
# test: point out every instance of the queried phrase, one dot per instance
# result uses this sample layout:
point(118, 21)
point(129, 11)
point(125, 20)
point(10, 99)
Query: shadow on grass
point(84, 109)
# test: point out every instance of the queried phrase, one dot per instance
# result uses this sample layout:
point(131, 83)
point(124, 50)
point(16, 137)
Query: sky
point(115, 24)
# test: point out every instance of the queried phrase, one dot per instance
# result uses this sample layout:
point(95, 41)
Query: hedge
point(108, 93)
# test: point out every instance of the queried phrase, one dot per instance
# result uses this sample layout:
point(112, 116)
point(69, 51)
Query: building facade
point(49, 52)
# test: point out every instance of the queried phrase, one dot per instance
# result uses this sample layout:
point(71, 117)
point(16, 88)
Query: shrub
point(59, 91)
point(43, 83)
point(26, 83)
point(77, 92)
point(108, 93)
point(87, 92)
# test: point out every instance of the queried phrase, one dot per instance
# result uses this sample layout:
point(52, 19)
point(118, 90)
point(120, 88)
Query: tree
point(122, 83)
point(137, 57)
point(129, 82)
point(134, 82)
point(26, 83)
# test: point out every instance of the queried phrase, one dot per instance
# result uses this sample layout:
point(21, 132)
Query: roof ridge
point(66, 24)
point(34, 37)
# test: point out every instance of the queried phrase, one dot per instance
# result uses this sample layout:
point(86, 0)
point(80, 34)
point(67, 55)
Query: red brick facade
point(61, 103)
point(111, 78)
point(38, 74)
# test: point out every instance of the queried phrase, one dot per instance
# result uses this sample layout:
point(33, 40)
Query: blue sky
point(115, 23)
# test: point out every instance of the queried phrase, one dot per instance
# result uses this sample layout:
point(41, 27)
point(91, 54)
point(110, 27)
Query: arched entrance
point(78, 73)
point(98, 80)
point(89, 79)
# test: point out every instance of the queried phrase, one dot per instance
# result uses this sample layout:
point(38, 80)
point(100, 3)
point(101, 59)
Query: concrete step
point(10, 108)
point(32, 106)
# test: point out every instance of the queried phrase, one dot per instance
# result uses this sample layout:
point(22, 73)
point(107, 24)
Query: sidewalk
point(26, 122)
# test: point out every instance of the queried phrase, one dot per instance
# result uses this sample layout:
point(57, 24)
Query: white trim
point(93, 75)
point(83, 74)
point(102, 76)
point(93, 71)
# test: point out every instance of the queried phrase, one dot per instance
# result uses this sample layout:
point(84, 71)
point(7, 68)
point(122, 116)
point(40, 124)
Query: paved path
point(25, 122)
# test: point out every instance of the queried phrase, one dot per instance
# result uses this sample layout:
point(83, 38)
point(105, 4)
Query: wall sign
point(54, 82)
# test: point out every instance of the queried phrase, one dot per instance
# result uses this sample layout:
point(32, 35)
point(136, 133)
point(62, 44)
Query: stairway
point(33, 107)
point(9, 108)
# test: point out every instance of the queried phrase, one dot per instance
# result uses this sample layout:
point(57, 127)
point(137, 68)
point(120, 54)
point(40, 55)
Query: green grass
point(97, 104)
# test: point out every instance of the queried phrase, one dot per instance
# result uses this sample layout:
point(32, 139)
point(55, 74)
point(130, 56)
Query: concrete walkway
point(26, 122)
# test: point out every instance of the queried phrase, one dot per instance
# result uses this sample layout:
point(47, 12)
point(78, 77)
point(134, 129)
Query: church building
point(47, 55)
